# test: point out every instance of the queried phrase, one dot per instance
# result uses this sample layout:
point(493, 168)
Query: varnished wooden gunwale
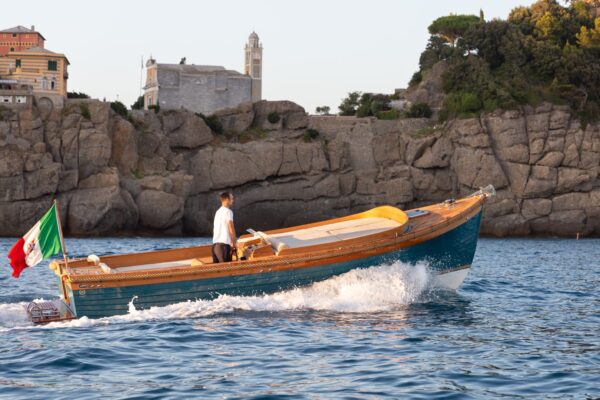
point(440, 220)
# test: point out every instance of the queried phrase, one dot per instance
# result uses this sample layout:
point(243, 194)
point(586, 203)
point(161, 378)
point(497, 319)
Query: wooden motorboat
point(444, 236)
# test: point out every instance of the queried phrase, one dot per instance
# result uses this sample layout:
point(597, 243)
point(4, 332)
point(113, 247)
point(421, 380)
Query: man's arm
point(232, 233)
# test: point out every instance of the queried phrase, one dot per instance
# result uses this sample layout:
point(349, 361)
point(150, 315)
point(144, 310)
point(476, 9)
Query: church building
point(204, 88)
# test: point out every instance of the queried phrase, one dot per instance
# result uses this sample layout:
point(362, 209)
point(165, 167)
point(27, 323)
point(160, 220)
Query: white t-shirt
point(221, 226)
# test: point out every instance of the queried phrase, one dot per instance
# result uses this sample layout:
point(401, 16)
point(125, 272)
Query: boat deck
point(329, 233)
point(336, 232)
point(282, 244)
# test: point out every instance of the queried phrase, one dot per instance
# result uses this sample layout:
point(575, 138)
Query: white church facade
point(205, 88)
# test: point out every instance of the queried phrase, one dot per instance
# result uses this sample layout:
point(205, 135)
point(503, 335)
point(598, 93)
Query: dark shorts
point(221, 252)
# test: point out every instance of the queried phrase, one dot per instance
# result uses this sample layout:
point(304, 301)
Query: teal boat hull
point(447, 253)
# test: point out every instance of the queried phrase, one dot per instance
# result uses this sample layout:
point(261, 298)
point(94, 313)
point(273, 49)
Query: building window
point(14, 35)
point(18, 63)
point(12, 49)
point(52, 65)
point(52, 85)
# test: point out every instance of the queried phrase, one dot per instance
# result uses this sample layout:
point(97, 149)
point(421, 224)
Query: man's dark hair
point(225, 195)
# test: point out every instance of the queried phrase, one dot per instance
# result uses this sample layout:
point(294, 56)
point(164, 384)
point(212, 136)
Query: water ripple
point(524, 325)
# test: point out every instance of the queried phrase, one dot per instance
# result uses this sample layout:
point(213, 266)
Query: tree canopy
point(350, 104)
point(544, 52)
point(139, 104)
point(366, 105)
point(589, 38)
point(453, 27)
point(323, 110)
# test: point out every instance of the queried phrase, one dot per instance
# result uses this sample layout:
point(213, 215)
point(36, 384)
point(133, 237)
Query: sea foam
point(374, 289)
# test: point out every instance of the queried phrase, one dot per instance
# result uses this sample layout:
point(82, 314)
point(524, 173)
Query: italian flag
point(42, 241)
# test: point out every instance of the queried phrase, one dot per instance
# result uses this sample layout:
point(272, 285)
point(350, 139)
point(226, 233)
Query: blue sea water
point(525, 324)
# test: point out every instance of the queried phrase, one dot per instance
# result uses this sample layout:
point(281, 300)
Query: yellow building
point(42, 69)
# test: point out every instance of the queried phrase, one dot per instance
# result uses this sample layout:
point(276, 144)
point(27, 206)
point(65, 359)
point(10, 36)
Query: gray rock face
point(11, 162)
point(20, 216)
point(184, 129)
point(124, 147)
point(238, 119)
point(94, 151)
point(159, 210)
point(163, 172)
point(100, 211)
point(291, 115)
point(430, 89)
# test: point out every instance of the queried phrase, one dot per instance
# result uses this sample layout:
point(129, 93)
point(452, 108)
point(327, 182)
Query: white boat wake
point(375, 289)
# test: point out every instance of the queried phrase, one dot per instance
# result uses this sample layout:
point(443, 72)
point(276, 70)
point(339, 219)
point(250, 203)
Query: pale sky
point(315, 51)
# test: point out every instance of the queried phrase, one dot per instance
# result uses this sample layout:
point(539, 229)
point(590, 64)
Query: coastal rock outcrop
point(160, 172)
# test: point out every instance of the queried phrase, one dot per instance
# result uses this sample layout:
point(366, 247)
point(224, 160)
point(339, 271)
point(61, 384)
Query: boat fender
point(93, 259)
point(106, 268)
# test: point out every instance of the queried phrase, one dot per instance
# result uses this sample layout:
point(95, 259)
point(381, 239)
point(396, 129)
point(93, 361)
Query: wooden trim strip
point(339, 252)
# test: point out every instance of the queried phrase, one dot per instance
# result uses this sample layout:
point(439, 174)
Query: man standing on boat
point(224, 240)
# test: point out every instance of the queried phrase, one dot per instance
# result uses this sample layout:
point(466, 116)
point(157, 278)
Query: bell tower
point(253, 65)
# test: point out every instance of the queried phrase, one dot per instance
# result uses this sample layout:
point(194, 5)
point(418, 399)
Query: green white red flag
point(42, 241)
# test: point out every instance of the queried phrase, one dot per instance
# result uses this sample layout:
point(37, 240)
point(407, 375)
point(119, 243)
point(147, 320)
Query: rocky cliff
point(160, 172)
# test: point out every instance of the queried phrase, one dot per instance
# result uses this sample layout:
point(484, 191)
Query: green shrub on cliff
point(139, 104)
point(84, 109)
point(350, 104)
point(119, 108)
point(273, 117)
point(388, 114)
point(544, 52)
point(77, 95)
point(249, 135)
point(379, 103)
point(419, 110)
point(462, 104)
point(212, 121)
point(310, 135)
point(416, 78)
point(364, 104)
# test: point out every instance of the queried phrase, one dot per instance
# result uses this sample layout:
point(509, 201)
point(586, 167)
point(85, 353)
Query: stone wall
point(204, 92)
point(160, 173)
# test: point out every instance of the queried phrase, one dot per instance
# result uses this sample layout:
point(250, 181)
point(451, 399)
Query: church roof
point(21, 29)
point(253, 35)
point(196, 69)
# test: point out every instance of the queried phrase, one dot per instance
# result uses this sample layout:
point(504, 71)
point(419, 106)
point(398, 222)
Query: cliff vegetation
point(544, 52)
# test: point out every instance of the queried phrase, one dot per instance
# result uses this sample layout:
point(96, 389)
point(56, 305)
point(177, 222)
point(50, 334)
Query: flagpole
point(64, 251)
